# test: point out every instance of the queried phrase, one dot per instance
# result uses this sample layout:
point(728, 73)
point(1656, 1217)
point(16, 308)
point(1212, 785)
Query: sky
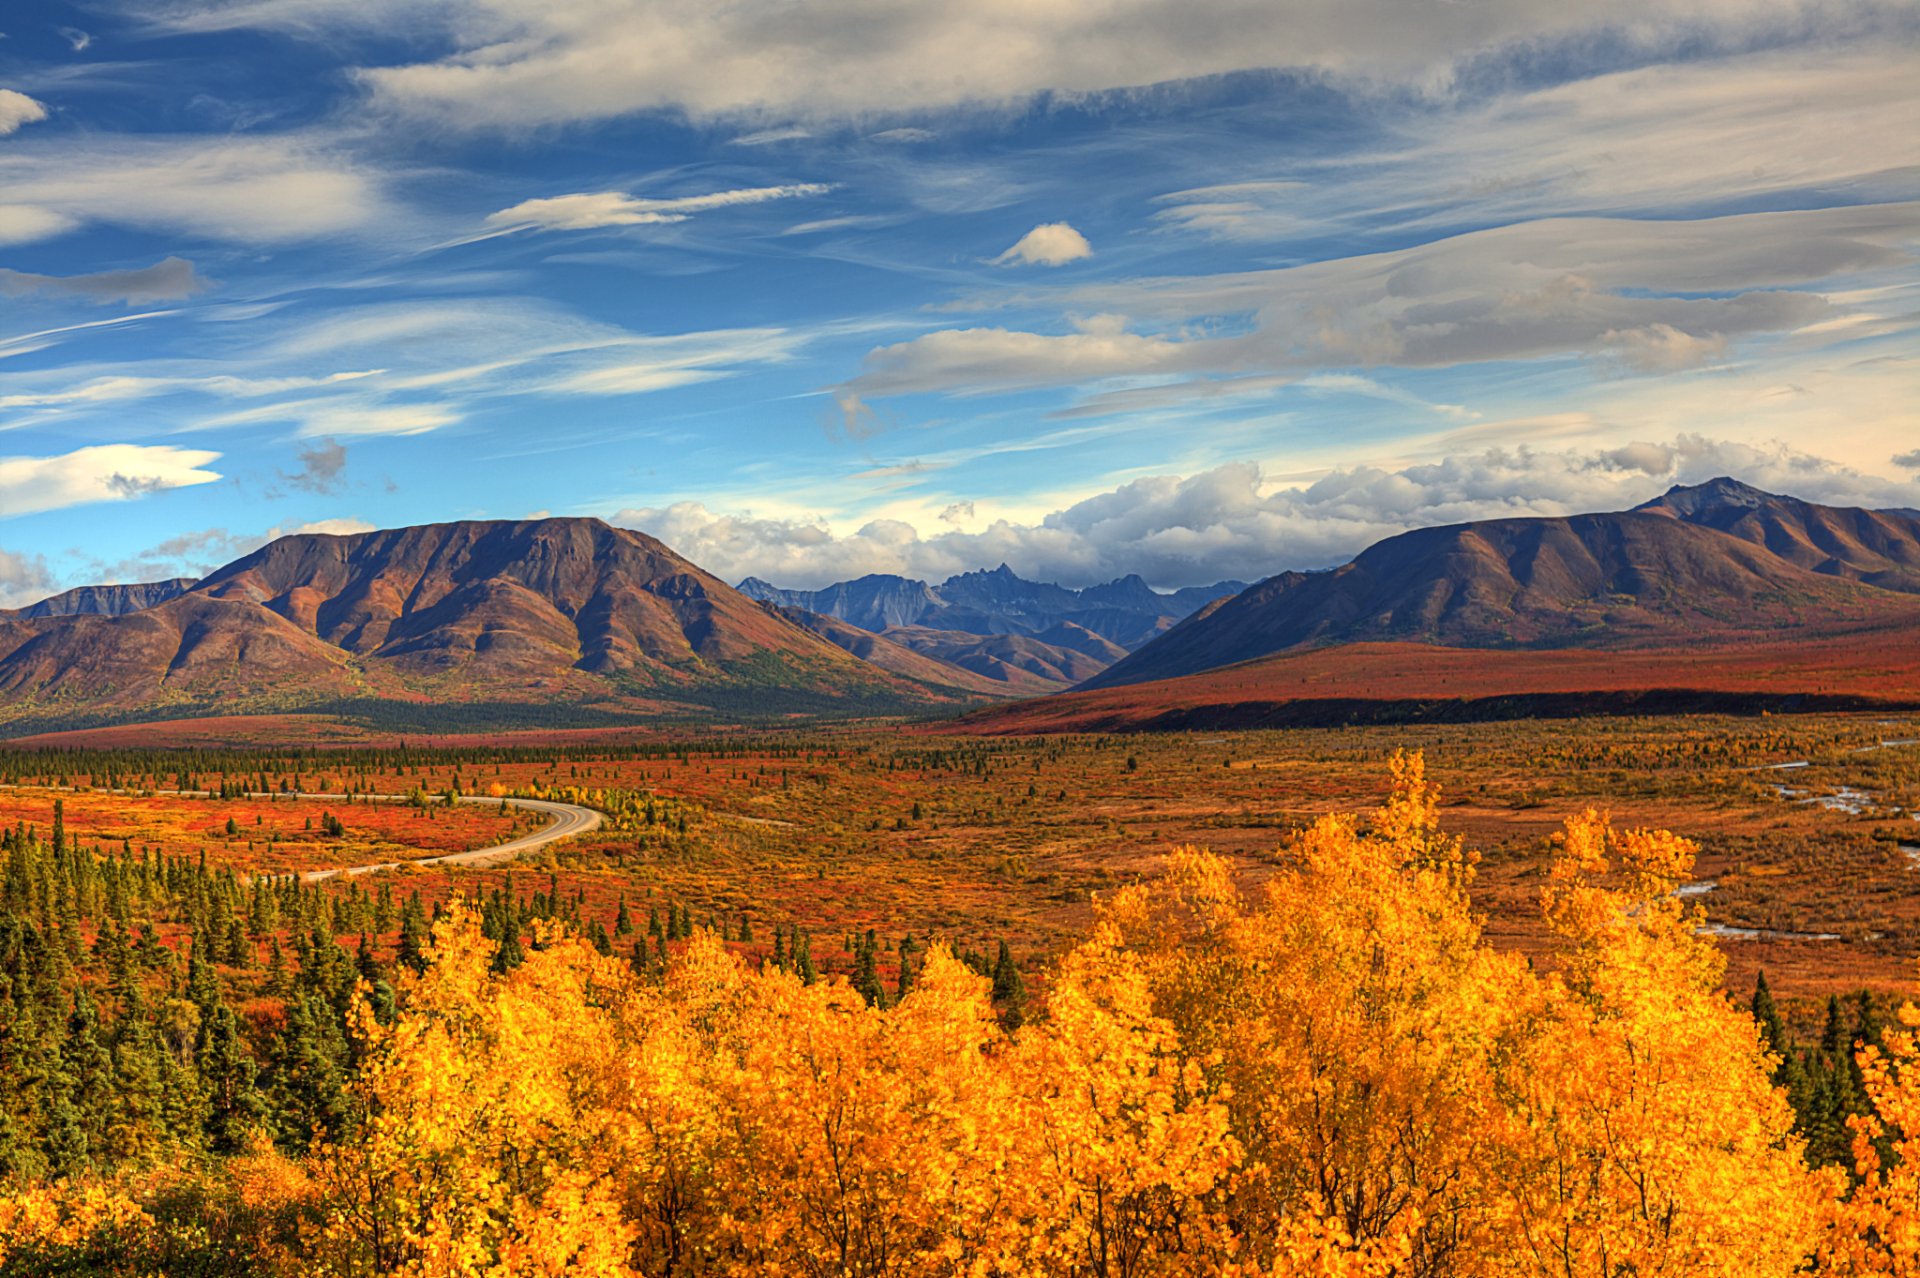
point(1199, 289)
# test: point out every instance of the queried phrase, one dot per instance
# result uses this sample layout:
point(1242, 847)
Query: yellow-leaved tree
point(1331, 1074)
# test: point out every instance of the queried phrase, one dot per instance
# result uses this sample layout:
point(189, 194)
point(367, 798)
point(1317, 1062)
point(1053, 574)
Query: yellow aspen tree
point(1645, 1136)
point(1876, 1230)
point(1351, 1013)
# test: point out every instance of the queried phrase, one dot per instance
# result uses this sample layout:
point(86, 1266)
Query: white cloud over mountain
point(1232, 522)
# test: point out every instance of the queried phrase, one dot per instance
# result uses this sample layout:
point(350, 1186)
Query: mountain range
point(1019, 636)
point(1719, 590)
point(1718, 594)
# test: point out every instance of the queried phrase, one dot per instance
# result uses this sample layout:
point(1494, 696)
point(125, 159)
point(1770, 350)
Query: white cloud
point(104, 472)
point(344, 416)
point(768, 137)
point(1647, 295)
point(25, 223)
point(1049, 244)
point(254, 190)
point(592, 210)
point(1230, 522)
point(17, 109)
point(516, 65)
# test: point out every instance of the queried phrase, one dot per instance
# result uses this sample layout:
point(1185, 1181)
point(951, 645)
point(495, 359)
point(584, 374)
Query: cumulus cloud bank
point(1230, 522)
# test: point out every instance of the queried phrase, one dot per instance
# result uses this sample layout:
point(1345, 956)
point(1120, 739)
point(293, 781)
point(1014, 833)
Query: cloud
point(80, 40)
point(254, 190)
point(768, 137)
point(103, 472)
point(1231, 522)
point(24, 579)
point(197, 553)
point(321, 468)
point(1646, 295)
point(1049, 244)
point(351, 415)
point(513, 65)
point(591, 211)
point(169, 280)
point(1910, 461)
point(1259, 210)
point(24, 223)
point(997, 360)
point(907, 135)
point(17, 109)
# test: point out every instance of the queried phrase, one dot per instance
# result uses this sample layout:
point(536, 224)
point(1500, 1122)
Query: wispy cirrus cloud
point(598, 209)
point(257, 190)
point(1649, 296)
point(515, 66)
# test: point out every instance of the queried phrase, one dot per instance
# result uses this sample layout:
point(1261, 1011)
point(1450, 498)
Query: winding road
point(568, 821)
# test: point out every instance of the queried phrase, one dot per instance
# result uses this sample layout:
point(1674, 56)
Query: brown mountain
point(102, 601)
point(1879, 547)
point(473, 611)
point(1026, 663)
point(1698, 564)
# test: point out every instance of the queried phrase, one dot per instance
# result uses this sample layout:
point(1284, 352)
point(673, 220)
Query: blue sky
point(1198, 289)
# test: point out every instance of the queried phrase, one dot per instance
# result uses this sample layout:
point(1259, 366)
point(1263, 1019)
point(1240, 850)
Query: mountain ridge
point(1716, 558)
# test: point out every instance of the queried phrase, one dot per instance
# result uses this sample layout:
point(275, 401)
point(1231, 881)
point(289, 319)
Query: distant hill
point(102, 601)
point(1718, 561)
point(569, 610)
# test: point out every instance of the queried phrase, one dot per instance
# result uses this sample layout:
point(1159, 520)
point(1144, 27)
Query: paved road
point(568, 821)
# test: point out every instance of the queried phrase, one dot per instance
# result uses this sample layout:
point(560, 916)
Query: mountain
point(1720, 561)
point(873, 602)
point(470, 612)
point(1126, 612)
point(1020, 662)
point(103, 601)
point(1879, 547)
point(882, 651)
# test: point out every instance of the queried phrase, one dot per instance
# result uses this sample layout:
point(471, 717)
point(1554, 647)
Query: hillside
point(543, 610)
point(1700, 564)
point(1365, 683)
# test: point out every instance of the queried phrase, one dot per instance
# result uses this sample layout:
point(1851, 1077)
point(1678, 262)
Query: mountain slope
point(1636, 578)
point(882, 651)
point(1881, 548)
point(464, 612)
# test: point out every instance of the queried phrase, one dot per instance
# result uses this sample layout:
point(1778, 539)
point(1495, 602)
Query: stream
point(1847, 799)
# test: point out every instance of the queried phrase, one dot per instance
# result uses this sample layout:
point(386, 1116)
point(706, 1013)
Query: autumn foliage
point(1334, 1076)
